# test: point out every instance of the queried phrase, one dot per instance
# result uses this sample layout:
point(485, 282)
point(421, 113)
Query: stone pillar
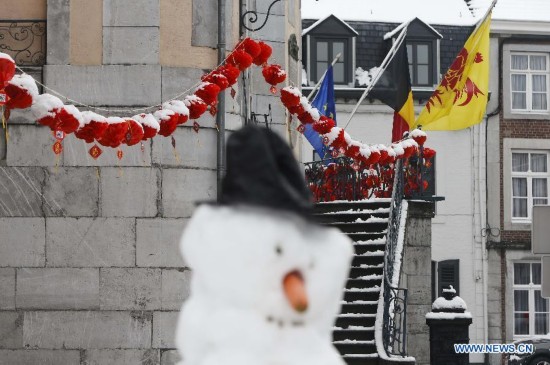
point(448, 322)
point(416, 276)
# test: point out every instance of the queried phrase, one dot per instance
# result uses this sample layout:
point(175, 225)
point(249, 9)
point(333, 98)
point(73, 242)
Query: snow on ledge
point(446, 315)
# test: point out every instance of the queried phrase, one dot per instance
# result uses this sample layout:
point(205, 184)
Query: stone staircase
point(366, 223)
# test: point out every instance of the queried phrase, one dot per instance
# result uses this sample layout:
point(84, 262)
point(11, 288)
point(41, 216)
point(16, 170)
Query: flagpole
point(383, 67)
point(323, 77)
point(493, 4)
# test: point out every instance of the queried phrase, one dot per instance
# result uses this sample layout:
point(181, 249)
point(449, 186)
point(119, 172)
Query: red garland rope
point(20, 91)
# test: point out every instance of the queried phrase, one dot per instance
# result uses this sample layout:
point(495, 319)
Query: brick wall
point(90, 269)
point(517, 128)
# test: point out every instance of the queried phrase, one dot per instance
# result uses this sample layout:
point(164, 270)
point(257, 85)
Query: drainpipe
point(220, 116)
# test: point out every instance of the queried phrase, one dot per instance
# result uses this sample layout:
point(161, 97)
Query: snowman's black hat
point(261, 171)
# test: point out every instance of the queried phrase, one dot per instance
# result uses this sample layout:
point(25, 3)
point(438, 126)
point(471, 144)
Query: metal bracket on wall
point(256, 118)
point(251, 17)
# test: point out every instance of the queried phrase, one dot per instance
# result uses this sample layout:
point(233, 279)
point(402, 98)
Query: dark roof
point(371, 48)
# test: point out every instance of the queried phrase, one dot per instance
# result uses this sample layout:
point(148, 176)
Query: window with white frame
point(529, 182)
point(529, 82)
point(531, 310)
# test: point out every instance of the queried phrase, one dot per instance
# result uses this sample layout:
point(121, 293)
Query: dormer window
point(323, 41)
point(423, 51)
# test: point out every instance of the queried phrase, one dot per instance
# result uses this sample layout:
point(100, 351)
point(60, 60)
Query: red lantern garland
point(208, 92)
point(135, 132)
point(178, 107)
point(251, 47)
point(196, 106)
point(217, 78)
point(115, 132)
point(264, 55)
point(150, 125)
point(45, 108)
point(7, 69)
point(230, 72)
point(419, 136)
point(324, 125)
point(69, 119)
point(168, 121)
point(240, 59)
point(94, 125)
point(290, 96)
point(273, 75)
point(21, 91)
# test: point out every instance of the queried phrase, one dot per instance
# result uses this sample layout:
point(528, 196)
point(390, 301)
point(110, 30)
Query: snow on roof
point(448, 12)
point(525, 10)
point(312, 26)
point(403, 25)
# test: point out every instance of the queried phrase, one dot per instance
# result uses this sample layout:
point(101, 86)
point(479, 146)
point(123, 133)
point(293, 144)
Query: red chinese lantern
point(309, 116)
point(324, 125)
point(45, 108)
point(168, 121)
point(352, 149)
point(179, 108)
point(383, 154)
point(21, 91)
point(419, 136)
point(217, 78)
point(230, 72)
point(428, 153)
point(150, 125)
point(339, 142)
point(410, 147)
point(273, 75)
point(264, 55)
point(251, 47)
point(290, 96)
point(69, 119)
point(135, 132)
point(196, 106)
point(208, 92)
point(398, 150)
point(240, 59)
point(115, 133)
point(94, 125)
point(7, 69)
point(374, 156)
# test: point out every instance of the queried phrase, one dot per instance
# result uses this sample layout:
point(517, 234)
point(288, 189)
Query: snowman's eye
point(279, 250)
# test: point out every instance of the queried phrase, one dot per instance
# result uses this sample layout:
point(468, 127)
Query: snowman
point(267, 282)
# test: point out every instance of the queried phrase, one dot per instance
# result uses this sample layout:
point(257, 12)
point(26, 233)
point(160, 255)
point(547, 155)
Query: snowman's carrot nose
point(295, 290)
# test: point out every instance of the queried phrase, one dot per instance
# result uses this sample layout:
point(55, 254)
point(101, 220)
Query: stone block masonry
point(90, 267)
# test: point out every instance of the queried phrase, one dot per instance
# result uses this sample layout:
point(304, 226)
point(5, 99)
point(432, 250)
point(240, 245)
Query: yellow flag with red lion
point(460, 99)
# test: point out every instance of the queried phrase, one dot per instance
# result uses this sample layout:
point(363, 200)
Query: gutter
point(220, 116)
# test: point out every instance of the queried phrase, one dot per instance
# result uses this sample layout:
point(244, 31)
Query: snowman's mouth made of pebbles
point(294, 288)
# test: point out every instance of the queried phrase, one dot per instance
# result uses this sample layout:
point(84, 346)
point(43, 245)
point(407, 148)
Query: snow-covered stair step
point(366, 236)
point(359, 347)
point(360, 285)
point(349, 217)
point(356, 319)
point(360, 227)
point(342, 206)
point(368, 259)
point(356, 272)
point(361, 359)
point(359, 335)
point(362, 211)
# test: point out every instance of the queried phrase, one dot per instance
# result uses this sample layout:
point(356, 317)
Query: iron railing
point(24, 41)
point(394, 331)
point(340, 179)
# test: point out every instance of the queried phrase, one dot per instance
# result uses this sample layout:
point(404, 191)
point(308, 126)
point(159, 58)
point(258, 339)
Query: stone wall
point(90, 270)
point(417, 276)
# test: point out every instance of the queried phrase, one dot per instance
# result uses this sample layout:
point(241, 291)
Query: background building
point(90, 270)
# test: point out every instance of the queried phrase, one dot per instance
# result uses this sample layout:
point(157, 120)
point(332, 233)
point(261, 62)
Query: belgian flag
point(394, 89)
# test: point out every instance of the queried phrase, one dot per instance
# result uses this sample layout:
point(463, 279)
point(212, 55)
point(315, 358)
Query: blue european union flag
point(324, 102)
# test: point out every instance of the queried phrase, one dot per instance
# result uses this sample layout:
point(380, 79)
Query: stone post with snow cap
point(448, 322)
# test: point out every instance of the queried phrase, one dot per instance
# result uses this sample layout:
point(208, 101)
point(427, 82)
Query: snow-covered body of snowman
point(266, 287)
point(239, 312)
